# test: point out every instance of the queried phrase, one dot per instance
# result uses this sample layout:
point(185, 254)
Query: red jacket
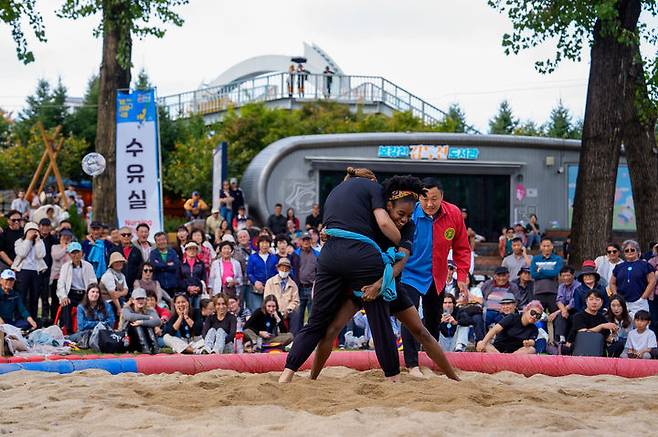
point(449, 232)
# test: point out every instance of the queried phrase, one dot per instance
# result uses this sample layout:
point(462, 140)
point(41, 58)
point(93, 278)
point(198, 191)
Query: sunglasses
point(613, 251)
point(148, 270)
point(15, 220)
point(127, 235)
point(630, 250)
point(535, 314)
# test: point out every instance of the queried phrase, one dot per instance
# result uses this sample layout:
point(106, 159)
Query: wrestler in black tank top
point(350, 206)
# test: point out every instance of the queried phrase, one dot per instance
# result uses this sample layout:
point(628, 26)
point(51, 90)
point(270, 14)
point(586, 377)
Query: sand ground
point(343, 402)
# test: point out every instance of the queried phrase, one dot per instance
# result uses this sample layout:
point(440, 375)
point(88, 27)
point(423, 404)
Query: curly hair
point(403, 188)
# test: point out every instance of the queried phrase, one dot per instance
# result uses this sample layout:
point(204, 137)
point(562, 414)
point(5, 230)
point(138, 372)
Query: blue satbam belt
point(387, 290)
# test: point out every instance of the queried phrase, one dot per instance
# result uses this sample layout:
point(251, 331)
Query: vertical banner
point(139, 194)
point(219, 171)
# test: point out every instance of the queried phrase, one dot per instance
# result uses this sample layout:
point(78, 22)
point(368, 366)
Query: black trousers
point(28, 284)
point(432, 310)
point(548, 301)
point(44, 295)
point(54, 300)
point(344, 266)
point(66, 321)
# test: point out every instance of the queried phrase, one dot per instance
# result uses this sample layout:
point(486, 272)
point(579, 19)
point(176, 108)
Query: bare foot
point(286, 376)
point(394, 378)
point(416, 373)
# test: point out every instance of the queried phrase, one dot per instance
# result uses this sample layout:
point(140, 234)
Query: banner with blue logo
point(139, 192)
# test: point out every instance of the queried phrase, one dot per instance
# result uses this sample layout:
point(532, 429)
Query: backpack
point(104, 339)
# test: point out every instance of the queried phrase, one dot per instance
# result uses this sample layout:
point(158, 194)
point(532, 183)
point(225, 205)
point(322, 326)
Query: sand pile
point(342, 402)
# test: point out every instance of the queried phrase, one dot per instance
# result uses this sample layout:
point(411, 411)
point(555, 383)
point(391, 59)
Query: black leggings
point(344, 266)
point(432, 310)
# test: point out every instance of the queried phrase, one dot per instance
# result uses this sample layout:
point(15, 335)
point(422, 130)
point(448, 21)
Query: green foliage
point(47, 105)
point(454, 121)
point(82, 123)
point(6, 125)
point(13, 12)
point(134, 17)
point(560, 123)
point(78, 226)
point(172, 223)
point(529, 128)
point(19, 162)
point(504, 122)
point(569, 25)
point(142, 82)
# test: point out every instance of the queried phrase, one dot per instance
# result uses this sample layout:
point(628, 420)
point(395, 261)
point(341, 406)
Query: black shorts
point(401, 302)
point(508, 347)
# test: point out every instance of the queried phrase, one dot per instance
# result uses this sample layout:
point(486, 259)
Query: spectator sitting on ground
point(565, 301)
point(618, 314)
point(283, 288)
point(634, 279)
point(517, 259)
point(242, 314)
point(526, 287)
point(266, 326)
point(219, 331)
point(207, 309)
point(605, 264)
point(206, 252)
point(277, 222)
point(493, 291)
point(589, 280)
point(146, 281)
point(452, 337)
point(12, 310)
point(516, 333)
point(641, 340)
point(163, 313)
point(195, 207)
point(239, 222)
point(113, 282)
point(314, 219)
point(225, 272)
point(166, 265)
point(192, 273)
point(140, 322)
point(92, 311)
point(590, 320)
point(470, 310)
point(183, 331)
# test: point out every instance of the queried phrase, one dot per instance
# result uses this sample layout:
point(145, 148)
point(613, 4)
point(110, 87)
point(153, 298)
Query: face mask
point(284, 275)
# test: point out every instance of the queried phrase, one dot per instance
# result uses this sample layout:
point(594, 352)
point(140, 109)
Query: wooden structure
point(53, 144)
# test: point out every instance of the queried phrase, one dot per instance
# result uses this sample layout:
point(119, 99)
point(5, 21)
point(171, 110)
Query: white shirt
point(20, 205)
point(638, 342)
point(604, 267)
point(77, 281)
point(30, 262)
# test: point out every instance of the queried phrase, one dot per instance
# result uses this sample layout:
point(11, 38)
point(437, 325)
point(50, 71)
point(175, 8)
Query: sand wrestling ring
point(199, 394)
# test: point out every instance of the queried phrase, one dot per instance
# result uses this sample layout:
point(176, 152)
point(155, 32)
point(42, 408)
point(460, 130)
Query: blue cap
point(8, 274)
point(72, 247)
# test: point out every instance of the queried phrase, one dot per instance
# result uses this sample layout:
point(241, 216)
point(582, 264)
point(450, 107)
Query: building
point(500, 179)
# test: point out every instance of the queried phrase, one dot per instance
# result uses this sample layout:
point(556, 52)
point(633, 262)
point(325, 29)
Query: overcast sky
point(443, 51)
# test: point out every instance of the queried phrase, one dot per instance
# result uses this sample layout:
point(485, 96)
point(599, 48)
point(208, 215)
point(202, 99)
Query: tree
point(453, 121)
point(12, 12)
point(6, 124)
point(560, 124)
point(504, 121)
point(46, 105)
point(120, 21)
point(142, 82)
point(620, 107)
point(529, 128)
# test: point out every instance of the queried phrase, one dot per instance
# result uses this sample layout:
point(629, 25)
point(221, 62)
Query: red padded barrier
point(364, 360)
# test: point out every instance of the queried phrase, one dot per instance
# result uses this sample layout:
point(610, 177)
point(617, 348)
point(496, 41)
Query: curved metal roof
point(256, 177)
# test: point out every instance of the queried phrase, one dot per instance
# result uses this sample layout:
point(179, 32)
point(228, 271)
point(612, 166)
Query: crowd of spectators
point(224, 285)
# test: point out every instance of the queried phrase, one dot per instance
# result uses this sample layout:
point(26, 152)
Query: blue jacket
point(11, 307)
point(166, 273)
point(418, 270)
point(259, 270)
point(546, 268)
point(85, 323)
point(192, 275)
